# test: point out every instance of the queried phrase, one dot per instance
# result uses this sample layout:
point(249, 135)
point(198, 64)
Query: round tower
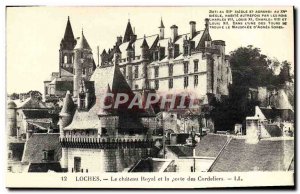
point(12, 118)
point(83, 64)
point(66, 113)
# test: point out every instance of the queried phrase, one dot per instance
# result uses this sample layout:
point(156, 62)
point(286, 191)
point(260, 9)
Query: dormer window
point(82, 99)
point(48, 155)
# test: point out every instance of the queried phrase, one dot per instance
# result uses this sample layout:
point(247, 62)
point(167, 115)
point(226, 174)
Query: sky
point(33, 35)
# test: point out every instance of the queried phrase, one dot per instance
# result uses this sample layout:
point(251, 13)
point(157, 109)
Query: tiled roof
point(45, 167)
point(33, 150)
point(266, 155)
point(151, 165)
point(17, 151)
point(272, 113)
point(36, 113)
point(181, 151)
point(210, 145)
point(31, 103)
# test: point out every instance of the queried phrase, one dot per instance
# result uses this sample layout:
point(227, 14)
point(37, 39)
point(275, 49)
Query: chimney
point(192, 29)
point(174, 35)
point(206, 23)
point(119, 40)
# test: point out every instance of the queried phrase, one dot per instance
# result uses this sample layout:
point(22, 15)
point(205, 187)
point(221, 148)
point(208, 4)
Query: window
point(155, 55)
point(170, 69)
point(77, 164)
point(65, 59)
point(103, 131)
point(136, 72)
point(124, 71)
point(91, 70)
point(186, 67)
point(83, 71)
point(186, 50)
point(186, 82)
point(195, 66)
point(196, 80)
point(136, 87)
point(81, 54)
point(170, 83)
point(156, 71)
point(156, 84)
point(48, 155)
point(147, 84)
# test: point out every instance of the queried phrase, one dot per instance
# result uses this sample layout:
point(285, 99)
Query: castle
point(190, 63)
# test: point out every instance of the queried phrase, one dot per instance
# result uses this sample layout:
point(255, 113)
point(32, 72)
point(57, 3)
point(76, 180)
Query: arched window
point(65, 59)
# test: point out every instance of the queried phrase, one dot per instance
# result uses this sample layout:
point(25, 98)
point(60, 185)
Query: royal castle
point(94, 139)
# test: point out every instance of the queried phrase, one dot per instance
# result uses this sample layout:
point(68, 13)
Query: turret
point(144, 48)
point(128, 32)
point(117, 55)
point(161, 30)
point(130, 52)
point(66, 113)
point(11, 118)
point(83, 64)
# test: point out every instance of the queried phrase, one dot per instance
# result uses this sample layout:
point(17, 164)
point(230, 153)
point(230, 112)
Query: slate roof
point(68, 42)
point(266, 155)
point(210, 145)
point(31, 103)
point(68, 105)
point(45, 167)
point(273, 113)
point(128, 32)
point(151, 165)
point(181, 151)
point(82, 43)
point(17, 151)
point(34, 146)
point(36, 113)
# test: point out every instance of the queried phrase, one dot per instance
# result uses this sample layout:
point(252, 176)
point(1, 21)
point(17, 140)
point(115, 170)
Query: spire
point(161, 23)
point(68, 42)
point(68, 105)
point(82, 43)
point(128, 32)
point(144, 44)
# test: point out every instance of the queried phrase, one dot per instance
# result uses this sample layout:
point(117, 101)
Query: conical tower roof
point(128, 32)
point(144, 44)
point(161, 24)
point(68, 105)
point(68, 42)
point(82, 43)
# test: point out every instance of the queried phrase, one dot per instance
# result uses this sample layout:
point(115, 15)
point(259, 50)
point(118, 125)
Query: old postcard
point(150, 97)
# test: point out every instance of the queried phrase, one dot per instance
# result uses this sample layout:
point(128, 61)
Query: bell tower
point(66, 52)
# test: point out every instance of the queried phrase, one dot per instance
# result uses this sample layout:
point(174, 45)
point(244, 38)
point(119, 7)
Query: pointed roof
point(82, 43)
point(117, 49)
point(103, 52)
point(161, 24)
point(128, 32)
point(68, 41)
point(68, 105)
point(129, 47)
point(144, 44)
